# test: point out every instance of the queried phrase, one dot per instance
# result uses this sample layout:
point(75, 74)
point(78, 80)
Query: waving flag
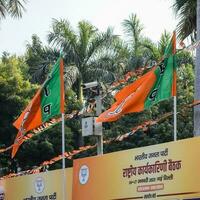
point(156, 85)
point(47, 103)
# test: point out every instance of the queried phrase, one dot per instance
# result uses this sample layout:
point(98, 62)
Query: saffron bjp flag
point(154, 86)
point(47, 103)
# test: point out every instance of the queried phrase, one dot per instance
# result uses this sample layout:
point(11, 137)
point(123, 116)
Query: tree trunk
point(197, 78)
point(80, 98)
point(80, 90)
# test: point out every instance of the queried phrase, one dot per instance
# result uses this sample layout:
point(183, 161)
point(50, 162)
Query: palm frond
point(16, 7)
point(187, 22)
point(102, 75)
point(89, 54)
point(86, 32)
point(99, 42)
point(64, 37)
point(133, 29)
point(185, 10)
point(3, 9)
point(41, 68)
point(178, 5)
point(121, 48)
point(164, 40)
point(39, 59)
point(150, 51)
point(106, 68)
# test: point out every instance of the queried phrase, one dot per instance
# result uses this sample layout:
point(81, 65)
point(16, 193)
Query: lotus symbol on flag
point(22, 129)
point(121, 105)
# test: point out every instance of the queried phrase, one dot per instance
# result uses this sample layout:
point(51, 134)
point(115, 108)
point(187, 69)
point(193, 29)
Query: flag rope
point(144, 126)
point(112, 87)
point(76, 113)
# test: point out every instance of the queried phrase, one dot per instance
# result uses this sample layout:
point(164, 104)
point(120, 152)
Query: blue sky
point(155, 15)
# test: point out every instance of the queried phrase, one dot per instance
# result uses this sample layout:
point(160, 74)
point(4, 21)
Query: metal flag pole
point(175, 118)
point(174, 86)
point(63, 140)
point(63, 125)
point(63, 156)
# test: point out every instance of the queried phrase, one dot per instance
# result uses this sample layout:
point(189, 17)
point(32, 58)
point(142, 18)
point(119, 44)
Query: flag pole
point(63, 140)
point(175, 118)
point(63, 156)
point(63, 125)
point(174, 86)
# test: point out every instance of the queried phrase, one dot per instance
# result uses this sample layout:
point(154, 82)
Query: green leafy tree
point(44, 146)
point(15, 92)
point(88, 55)
point(48, 144)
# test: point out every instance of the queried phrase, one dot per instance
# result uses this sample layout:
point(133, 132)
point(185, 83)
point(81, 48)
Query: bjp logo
point(39, 185)
point(84, 174)
point(2, 194)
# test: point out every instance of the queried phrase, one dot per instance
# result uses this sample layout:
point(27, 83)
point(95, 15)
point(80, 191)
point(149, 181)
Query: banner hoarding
point(42, 186)
point(166, 171)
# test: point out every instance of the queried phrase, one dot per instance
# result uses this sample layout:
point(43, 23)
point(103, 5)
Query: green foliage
point(164, 40)
point(162, 131)
point(39, 60)
point(44, 147)
point(140, 50)
point(14, 8)
point(49, 143)
point(186, 11)
point(15, 92)
point(88, 49)
point(88, 55)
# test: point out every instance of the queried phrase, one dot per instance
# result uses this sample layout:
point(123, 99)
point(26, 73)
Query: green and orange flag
point(48, 102)
point(156, 85)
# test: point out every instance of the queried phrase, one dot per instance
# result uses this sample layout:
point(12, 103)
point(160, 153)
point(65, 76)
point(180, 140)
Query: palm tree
point(163, 42)
point(88, 54)
point(142, 51)
point(133, 29)
point(186, 13)
point(189, 25)
point(89, 51)
point(14, 8)
point(39, 59)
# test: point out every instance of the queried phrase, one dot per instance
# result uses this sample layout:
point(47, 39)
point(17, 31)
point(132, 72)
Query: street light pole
point(89, 125)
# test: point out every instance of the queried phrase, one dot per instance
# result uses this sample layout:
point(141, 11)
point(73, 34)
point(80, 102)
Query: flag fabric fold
point(156, 85)
point(48, 102)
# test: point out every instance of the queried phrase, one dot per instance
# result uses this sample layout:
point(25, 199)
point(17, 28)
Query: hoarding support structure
point(98, 112)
